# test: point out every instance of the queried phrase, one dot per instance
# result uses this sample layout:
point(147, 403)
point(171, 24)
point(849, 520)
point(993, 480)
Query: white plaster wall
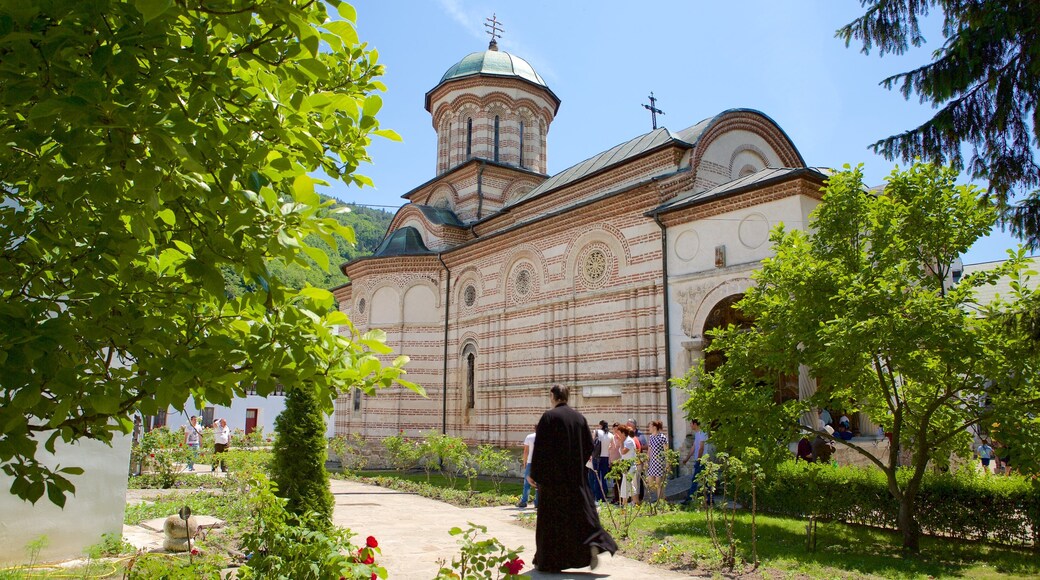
point(693, 276)
point(96, 509)
point(268, 410)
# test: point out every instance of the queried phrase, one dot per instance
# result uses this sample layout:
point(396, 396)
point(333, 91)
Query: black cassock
point(568, 523)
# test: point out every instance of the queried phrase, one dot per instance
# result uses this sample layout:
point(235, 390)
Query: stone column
point(692, 353)
point(806, 389)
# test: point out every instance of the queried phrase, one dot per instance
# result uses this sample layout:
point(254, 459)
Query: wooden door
point(251, 416)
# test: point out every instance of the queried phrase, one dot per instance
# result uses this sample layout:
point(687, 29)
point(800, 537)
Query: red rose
point(369, 560)
point(194, 551)
point(514, 566)
point(151, 455)
point(371, 542)
point(374, 576)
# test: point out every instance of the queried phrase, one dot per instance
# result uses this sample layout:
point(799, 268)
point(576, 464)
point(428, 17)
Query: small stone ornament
point(177, 530)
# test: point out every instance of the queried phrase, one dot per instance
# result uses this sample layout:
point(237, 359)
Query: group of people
point(565, 464)
point(995, 452)
point(193, 441)
point(612, 443)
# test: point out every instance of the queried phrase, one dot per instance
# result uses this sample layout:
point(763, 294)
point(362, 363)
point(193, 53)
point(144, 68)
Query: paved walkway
point(413, 533)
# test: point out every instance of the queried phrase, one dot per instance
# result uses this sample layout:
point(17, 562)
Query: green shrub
point(350, 451)
point(300, 547)
point(300, 451)
point(162, 451)
point(404, 453)
point(174, 567)
point(485, 559)
point(493, 462)
point(962, 504)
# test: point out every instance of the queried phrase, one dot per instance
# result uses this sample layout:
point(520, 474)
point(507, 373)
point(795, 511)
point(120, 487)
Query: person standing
point(656, 443)
point(525, 458)
point(616, 442)
point(592, 469)
point(192, 440)
point(985, 453)
point(221, 440)
point(696, 452)
point(641, 447)
point(630, 479)
point(606, 438)
point(568, 533)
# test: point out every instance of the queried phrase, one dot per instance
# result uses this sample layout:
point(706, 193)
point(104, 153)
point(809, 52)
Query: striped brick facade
point(567, 285)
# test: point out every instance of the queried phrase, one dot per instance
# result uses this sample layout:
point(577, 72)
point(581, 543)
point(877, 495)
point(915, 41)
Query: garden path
point(413, 533)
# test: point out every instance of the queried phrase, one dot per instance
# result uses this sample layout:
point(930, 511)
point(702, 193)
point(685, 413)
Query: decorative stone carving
point(753, 231)
point(469, 295)
point(687, 244)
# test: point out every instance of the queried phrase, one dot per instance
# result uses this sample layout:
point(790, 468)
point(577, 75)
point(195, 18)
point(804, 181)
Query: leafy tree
point(298, 469)
point(866, 301)
point(149, 145)
point(985, 82)
point(368, 225)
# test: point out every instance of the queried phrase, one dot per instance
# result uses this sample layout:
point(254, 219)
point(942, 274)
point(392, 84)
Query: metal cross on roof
point(493, 29)
point(652, 107)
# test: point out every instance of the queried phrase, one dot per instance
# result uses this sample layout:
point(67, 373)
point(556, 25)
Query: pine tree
point(300, 452)
point(984, 81)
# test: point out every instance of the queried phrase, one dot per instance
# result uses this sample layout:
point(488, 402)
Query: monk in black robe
point(569, 534)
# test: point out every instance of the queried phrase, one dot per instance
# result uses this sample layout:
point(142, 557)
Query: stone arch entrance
point(725, 313)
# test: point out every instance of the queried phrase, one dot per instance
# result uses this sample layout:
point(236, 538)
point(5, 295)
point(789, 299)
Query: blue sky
point(603, 58)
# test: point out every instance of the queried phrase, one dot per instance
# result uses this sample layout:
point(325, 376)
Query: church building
point(499, 280)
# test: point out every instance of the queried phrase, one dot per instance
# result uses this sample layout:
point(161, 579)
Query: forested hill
point(369, 227)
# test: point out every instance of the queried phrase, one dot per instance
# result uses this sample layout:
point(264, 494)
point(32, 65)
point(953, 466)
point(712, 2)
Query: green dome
point(495, 63)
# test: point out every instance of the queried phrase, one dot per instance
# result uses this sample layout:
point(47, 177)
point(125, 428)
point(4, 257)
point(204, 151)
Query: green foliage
point(174, 567)
point(369, 226)
point(962, 504)
point(257, 438)
point(280, 544)
point(149, 147)
point(404, 453)
point(727, 475)
point(445, 453)
point(867, 303)
point(300, 452)
point(162, 451)
point(110, 545)
point(984, 80)
point(228, 507)
point(350, 451)
point(492, 461)
point(481, 559)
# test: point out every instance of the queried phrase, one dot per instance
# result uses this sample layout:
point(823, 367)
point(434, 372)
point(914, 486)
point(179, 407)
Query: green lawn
point(508, 486)
point(681, 539)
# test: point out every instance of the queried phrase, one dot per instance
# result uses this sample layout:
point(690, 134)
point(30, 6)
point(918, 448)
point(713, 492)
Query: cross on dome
point(493, 29)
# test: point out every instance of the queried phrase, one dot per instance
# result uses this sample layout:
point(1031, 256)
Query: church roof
point(765, 176)
point(495, 63)
point(404, 241)
point(440, 216)
point(613, 156)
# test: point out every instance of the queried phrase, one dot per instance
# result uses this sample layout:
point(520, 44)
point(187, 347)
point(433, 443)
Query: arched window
point(521, 143)
point(471, 380)
point(469, 138)
point(496, 137)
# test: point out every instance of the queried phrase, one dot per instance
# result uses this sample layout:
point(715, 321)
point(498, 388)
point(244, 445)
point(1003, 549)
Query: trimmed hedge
point(962, 504)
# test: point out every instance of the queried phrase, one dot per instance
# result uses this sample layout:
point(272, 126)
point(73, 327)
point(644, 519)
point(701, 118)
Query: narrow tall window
point(357, 399)
point(471, 388)
point(469, 138)
point(521, 143)
point(496, 137)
